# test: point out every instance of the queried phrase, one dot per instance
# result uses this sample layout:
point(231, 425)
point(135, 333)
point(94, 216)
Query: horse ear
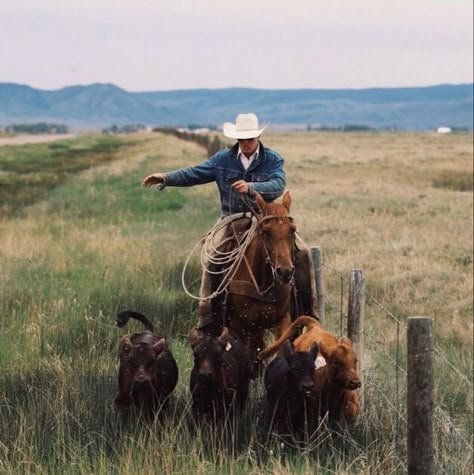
point(286, 201)
point(260, 202)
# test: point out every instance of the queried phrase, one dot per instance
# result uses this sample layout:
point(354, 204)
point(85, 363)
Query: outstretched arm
point(153, 179)
point(204, 172)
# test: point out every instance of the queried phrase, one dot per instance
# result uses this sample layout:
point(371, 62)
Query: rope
point(227, 261)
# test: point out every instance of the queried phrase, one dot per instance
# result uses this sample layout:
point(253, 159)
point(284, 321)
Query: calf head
point(207, 352)
point(300, 368)
point(341, 363)
point(138, 357)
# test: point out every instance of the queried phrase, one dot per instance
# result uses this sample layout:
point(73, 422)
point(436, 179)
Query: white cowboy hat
point(245, 127)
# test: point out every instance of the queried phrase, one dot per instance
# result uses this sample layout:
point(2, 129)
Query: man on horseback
point(240, 172)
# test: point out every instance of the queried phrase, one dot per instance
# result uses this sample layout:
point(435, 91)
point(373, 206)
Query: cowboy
point(239, 172)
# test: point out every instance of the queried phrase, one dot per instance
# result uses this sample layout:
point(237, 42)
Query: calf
point(290, 389)
point(220, 377)
point(336, 380)
point(148, 372)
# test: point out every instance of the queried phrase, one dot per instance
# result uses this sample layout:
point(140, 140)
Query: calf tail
point(125, 315)
point(288, 334)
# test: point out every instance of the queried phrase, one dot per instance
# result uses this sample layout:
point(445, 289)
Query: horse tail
point(288, 334)
point(124, 316)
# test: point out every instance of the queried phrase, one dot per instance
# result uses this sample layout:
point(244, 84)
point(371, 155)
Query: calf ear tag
point(228, 346)
point(319, 362)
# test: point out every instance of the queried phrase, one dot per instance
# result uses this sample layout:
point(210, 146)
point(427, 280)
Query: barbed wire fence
point(384, 366)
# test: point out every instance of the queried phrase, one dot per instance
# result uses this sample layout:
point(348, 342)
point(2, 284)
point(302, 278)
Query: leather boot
point(305, 284)
point(207, 323)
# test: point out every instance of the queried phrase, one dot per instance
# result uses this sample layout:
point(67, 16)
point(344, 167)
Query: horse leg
point(282, 325)
point(256, 344)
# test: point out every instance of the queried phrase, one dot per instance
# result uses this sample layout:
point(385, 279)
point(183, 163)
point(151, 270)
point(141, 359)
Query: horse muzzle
point(284, 274)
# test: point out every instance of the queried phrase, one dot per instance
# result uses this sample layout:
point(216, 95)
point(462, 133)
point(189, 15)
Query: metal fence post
point(318, 277)
point(355, 322)
point(419, 396)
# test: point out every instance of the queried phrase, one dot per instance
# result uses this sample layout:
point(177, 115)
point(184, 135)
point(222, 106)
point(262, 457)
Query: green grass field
point(81, 239)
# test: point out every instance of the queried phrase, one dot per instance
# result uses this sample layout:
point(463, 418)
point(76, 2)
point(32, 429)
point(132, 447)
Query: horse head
point(277, 232)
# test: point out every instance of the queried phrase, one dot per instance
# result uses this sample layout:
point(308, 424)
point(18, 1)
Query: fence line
point(388, 313)
point(435, 348)
point(392, 360)
point(439, 415)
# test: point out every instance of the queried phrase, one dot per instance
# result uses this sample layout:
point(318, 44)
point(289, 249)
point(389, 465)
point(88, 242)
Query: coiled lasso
point(226, 261)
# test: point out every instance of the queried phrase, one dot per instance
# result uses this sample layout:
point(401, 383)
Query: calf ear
point(345, 341)
point(260, 202)
point(159, 346)
point(286, 201)
point(193, 337)
point(324, 349)
point(223, 336)
point(313, 350)
point(288, 351)
point(125, 344)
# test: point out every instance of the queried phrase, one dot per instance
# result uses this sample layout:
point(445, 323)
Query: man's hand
point(241, 186)
point(153, 179)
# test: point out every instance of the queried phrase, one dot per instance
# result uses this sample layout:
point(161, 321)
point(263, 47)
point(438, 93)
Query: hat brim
point(230, 130)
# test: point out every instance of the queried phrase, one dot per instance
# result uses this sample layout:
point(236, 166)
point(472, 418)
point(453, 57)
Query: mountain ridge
point(102, 104)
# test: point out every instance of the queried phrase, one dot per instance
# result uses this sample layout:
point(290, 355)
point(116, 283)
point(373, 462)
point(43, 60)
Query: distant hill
point(98, 105)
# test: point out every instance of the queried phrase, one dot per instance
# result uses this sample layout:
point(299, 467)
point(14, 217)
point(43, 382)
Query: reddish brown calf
point(337, 381)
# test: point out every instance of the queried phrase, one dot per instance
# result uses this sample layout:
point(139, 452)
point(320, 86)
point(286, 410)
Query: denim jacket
point(265, 175)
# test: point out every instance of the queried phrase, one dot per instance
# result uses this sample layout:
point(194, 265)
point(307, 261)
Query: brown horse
point(260, 291)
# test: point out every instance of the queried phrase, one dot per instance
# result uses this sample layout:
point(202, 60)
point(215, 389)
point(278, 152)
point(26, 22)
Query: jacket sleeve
point(204, 172)
point(274, 185)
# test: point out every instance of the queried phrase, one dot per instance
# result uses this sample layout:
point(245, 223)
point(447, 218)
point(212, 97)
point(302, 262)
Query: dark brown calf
point(336, 382)
point(220, 377)
point(148, 372)
point(290, 389)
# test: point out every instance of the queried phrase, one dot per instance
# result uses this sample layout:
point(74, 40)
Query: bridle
point(231, 260)
point(268, 260)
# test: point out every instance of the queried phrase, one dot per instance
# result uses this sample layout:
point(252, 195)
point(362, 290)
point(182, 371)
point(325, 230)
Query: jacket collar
point(261, 155)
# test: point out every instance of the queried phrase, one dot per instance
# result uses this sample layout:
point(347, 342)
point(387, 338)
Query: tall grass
point(96, 242)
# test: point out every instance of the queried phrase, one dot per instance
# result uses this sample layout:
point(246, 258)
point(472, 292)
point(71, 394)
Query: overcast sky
point(144, 45)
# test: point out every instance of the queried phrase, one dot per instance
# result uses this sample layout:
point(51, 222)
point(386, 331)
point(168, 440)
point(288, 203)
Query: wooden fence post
point(355, 322)
point(318, 277)
point(419, 397)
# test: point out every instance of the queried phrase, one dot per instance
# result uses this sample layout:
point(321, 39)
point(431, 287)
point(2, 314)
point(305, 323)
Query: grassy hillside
point(90, 241)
